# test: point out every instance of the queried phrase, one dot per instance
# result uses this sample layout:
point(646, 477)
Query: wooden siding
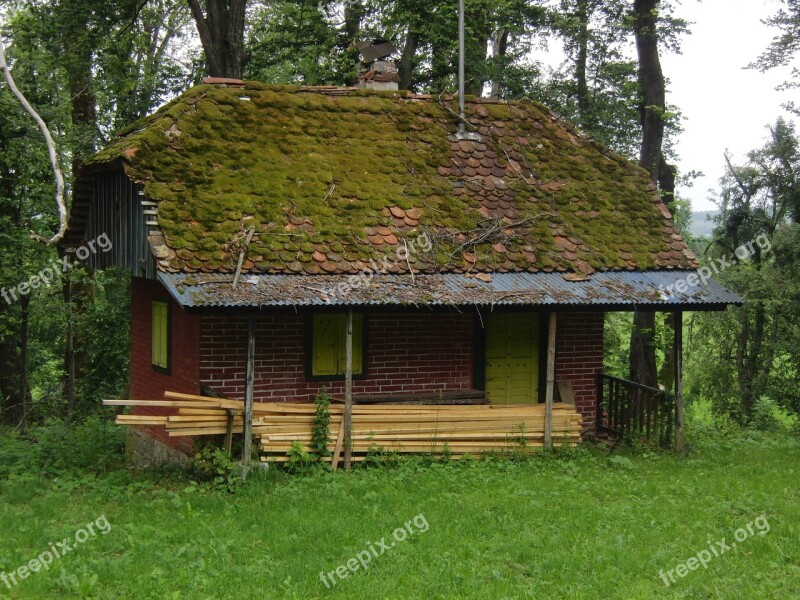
point(117, 210)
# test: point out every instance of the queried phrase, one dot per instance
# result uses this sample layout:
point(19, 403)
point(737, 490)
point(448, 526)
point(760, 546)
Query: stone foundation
point(142, 451)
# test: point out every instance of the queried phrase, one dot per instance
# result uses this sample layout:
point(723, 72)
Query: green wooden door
point(512, 358)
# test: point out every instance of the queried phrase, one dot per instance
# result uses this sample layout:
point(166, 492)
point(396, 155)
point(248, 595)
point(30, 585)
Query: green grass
point(583, 524)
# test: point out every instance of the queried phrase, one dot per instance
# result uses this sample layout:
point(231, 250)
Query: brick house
point(245, 209)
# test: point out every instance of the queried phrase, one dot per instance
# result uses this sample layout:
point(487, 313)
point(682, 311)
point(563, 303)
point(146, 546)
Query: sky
point(724, 105)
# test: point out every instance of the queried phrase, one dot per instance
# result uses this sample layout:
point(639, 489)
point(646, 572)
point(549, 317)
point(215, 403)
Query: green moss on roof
point(322, 178)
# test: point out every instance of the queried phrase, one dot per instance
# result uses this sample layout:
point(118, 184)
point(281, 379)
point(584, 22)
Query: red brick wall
point(405, 353)
point(411, 352)
point(579, 358)
point(184, 376)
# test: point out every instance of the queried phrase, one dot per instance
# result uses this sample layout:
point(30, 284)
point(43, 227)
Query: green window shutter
point(160, 335)
point(329, 355)
point(324, 357)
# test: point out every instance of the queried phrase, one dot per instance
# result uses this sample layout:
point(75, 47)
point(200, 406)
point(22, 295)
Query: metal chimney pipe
point(461, 111)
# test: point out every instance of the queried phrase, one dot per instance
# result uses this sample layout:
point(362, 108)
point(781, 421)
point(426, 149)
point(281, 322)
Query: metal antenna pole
point(461, 111)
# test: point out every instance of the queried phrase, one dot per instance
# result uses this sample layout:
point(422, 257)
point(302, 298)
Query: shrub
point(322, 420)
point(300, 461)
point(764, 415)
point(93, 445)
point(212, 465)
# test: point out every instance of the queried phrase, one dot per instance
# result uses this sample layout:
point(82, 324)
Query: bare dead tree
point(51, 149)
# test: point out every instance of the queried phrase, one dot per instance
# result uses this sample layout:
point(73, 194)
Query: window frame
point(158, 368)
point(309, 348)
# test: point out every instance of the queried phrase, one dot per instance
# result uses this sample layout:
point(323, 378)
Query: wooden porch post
point(678, 362)
point(248, 390)
point(348, 391)
point(551, 372)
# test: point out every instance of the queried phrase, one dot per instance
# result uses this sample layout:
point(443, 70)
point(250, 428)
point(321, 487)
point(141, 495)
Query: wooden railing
point(633, 411)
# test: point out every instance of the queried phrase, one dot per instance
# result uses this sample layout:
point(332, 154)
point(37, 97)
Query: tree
point(750, 353)
point(73, 61)
point(221, 30)
point(144, 64)
point(784, 47)
point(597, 86)
point(290, 42)
point(653, 105)
point(25, 196)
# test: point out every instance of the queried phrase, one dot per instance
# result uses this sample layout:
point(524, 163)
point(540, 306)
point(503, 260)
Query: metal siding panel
point(623, 289)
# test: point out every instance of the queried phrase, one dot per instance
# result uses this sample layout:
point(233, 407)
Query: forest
point(595, 519)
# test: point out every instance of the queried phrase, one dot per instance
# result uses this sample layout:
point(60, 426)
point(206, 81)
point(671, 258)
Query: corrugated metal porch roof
point(623, 289)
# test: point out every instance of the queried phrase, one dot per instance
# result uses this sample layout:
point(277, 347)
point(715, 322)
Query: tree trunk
point(24, 391)
point(748, 376)
point(668, 368)
point(14, 392)
point(78, 63)
point(741, 349)
point(666, 183)
point(221, 31)
point(70, 381)
point(651, 82)
point(581, 85)
point(499, 49)
point(353, 14)
point(643, 349)
point(10, 401)
point(476, 46)
point(83, 115)
point(408, 60)
point(653, 102)
point(765, 368)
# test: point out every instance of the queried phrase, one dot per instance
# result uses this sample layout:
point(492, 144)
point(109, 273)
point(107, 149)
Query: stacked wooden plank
point(456, 430)
point(453, 429)
point(194, 415)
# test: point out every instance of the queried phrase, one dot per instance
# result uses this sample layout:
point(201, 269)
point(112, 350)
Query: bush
point(93, 445)
point(764, 418)
point(213, 465)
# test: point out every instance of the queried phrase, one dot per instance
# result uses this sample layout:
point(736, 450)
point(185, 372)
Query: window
point(160, 336)
point(327, 345)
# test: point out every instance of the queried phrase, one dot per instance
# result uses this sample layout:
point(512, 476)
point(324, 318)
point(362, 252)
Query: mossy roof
point(330, 180)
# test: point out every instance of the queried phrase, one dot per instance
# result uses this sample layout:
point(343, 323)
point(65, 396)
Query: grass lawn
point(583, 524)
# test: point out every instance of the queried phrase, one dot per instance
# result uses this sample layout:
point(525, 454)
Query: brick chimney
point(376, 71)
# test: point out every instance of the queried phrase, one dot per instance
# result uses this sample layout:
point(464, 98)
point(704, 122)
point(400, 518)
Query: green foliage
point(106, 63)
point(292, 42)
point(105, 363)
point(749, 353)
point(94, 445)
point(616, 344)
point(213, 466)
point(300, 460)
point(784, 48)
point(321, 425)
point(764, 415)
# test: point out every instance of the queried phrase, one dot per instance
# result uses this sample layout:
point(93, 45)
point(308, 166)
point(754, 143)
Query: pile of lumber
point(457, 430)
point(194, 415)
point(453, 429)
